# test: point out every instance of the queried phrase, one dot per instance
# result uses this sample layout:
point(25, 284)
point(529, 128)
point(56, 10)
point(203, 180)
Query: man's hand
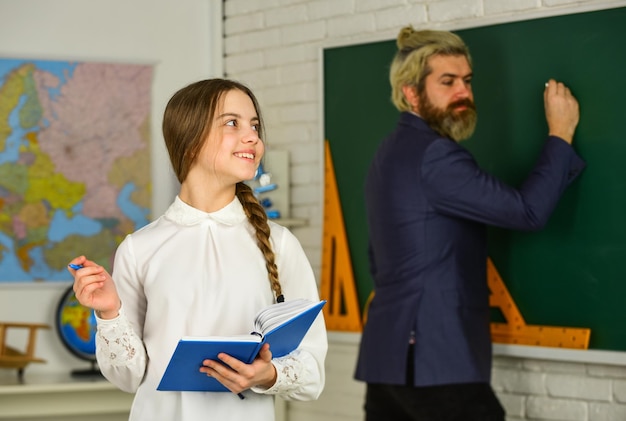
point(562, 113)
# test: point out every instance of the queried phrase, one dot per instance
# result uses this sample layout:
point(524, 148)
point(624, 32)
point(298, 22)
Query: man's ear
point(410, 93)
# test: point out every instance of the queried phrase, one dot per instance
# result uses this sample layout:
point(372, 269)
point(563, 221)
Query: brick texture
point(274, 46)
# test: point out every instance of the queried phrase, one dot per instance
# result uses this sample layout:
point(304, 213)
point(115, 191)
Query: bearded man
point(425, 350)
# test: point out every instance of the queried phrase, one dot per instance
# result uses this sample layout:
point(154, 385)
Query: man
point(426, 348)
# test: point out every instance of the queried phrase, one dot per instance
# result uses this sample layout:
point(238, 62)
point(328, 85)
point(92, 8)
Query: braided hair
point(258, 218)
point(187, 123)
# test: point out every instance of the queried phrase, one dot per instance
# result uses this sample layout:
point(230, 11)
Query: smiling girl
point(205, 267)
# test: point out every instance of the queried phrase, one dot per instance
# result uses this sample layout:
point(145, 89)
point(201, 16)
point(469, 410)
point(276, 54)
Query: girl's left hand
point(238, 376)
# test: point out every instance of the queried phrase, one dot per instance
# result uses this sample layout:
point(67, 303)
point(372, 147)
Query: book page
point(277, 314)
point(235, 338)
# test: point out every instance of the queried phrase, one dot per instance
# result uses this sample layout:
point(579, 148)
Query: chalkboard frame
point(609, 356)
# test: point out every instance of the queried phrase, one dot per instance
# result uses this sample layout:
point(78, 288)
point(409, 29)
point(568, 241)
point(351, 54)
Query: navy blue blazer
point(428, 205)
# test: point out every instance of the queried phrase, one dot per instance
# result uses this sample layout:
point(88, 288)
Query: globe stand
point(93, 372)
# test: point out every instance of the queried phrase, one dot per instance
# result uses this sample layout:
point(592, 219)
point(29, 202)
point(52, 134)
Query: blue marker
point(75, 267)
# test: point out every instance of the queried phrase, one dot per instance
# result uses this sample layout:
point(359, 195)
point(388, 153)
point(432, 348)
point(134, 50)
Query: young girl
point(205, 267)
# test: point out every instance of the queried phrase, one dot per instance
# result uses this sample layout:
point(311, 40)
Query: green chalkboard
point(573, 272)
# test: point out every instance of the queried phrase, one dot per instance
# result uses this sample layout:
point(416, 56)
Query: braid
point(258, 218)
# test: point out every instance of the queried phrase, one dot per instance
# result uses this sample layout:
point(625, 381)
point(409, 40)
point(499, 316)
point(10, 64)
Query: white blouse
point(191, 273)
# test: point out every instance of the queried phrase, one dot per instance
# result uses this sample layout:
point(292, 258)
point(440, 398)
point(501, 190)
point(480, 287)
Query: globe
point(76, 327)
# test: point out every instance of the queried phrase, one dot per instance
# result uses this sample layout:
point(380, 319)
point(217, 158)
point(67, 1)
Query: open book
point(282, 325)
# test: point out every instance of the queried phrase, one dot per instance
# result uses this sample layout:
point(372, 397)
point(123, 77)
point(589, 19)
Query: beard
point(448, 122)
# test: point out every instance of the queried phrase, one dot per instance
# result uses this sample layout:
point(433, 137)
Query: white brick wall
point(451, 10)
point(274, 47)
point(494, 7)
point(554, 390)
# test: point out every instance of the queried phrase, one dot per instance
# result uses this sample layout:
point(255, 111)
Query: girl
point(205, 267)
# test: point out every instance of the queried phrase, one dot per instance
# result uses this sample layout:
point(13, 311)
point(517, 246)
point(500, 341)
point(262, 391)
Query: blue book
point(282, 325)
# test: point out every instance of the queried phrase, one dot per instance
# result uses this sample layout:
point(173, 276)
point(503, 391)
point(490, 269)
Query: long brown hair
point(187, 121)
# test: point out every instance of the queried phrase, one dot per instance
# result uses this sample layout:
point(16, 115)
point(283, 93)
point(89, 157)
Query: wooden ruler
point(516, 331)
point(338, 286)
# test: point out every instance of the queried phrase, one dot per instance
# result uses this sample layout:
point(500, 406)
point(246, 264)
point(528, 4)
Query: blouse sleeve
point(300, 374)
point(120, 351)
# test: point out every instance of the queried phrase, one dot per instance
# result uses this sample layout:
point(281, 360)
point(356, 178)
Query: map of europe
point(74, 163)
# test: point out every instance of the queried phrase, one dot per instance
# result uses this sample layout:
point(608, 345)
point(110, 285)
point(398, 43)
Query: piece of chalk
point(546, 84)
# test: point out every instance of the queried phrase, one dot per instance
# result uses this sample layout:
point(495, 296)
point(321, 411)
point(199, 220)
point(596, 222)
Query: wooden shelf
point(290, 222)
point(60, 397)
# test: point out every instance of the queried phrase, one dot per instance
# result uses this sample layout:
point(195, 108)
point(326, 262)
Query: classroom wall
point(177, 37)
point(275, 47)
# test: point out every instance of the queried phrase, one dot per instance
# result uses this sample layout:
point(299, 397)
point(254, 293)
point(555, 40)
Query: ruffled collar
point(184, 214)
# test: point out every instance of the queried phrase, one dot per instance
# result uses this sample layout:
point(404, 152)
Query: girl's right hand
point(94, 288)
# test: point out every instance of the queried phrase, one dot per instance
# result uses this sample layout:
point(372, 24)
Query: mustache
point(465, 102)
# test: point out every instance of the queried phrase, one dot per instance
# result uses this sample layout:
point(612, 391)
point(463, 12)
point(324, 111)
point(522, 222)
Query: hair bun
point(404, 37)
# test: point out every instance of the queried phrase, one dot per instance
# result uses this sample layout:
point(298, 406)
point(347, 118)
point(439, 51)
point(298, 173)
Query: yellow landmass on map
point(98, 247)
point(124, 169)
point(10, 92)
point(34, 215)
point(46, 184)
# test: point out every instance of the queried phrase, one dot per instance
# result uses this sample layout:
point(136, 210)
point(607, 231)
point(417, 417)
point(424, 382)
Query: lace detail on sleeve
point(297, 377)
point(292, 373)
point(117, 344)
